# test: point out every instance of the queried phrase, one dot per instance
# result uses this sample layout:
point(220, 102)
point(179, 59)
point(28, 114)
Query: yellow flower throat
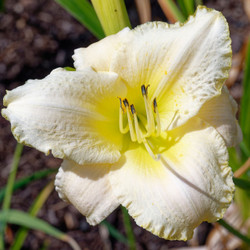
point(140, 130)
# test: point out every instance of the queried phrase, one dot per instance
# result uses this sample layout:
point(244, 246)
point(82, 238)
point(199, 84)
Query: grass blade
point(245, 101)
point(26, 180)
point(129, 229)
point(243, 184)
point(9, 189)
point(40, 200)
point(83, 11)
point(26, 220)
point(234, 231)
point(183, 8)
point(114, 232)
point(12, 176)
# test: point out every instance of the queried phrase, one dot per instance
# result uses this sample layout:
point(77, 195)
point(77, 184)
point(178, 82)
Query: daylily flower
point(144, 121)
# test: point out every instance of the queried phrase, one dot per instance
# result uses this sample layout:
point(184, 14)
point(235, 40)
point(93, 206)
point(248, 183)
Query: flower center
point(140, 128)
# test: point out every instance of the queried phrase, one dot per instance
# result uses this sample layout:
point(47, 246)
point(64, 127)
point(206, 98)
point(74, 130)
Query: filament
point(149, 112)
point(151, 122)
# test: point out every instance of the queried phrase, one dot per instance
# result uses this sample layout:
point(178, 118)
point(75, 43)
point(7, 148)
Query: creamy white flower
point(144, 121)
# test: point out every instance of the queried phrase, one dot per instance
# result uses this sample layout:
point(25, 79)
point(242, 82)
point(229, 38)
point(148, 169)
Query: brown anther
point(121, 106)
point(154, 104)
point(143, 90)
point(132, 108)
point(125, 102)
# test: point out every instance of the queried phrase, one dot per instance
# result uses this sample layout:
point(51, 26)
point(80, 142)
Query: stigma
point(140, 129)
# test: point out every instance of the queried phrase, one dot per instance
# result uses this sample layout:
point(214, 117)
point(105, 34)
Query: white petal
point(190, 184)
point(87, 188)
point(72, 114)
point(99, 55)
point(220, 113)
point(185, 65)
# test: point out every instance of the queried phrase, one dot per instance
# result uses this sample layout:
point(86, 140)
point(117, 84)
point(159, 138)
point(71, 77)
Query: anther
point(132, 108)
point(125, 102)
point(143, 90)
point(121, 106)
point(155, 104)
point(121, 114)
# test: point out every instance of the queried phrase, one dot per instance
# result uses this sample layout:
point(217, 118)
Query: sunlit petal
point(99, 55)
point(185, 65)
point(220, 113)
point(87, 188)
point(190, 183)
point(72, 114)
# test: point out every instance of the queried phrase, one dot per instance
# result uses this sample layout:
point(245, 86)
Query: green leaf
point(69, 69)
point(183, 8)
point(243, 184)
point(26, 220)
point(112, 15)
point(189, 6)
point(12, 176)
point(129, 229)
point(36, 206)
point(245, 101)
point(26, 180)
point(114, 232)
point(9, 188)
point(83, 11)
point(234, 231)
point(174, 10)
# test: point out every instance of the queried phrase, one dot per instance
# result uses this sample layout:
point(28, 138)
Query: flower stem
point(129, 229)
point(112, 15)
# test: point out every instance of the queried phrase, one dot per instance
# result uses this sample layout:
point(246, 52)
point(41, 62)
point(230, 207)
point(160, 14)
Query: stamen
point(121, 114)
point(130, 123)
point(125, 102)
point(150, 116)
point(143, 90)
point(155, 157)
point(132, 108)
point(158, 121)
point(173, 120)
point(137, 128)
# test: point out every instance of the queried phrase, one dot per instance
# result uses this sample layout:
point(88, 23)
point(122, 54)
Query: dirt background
point(36, 37)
